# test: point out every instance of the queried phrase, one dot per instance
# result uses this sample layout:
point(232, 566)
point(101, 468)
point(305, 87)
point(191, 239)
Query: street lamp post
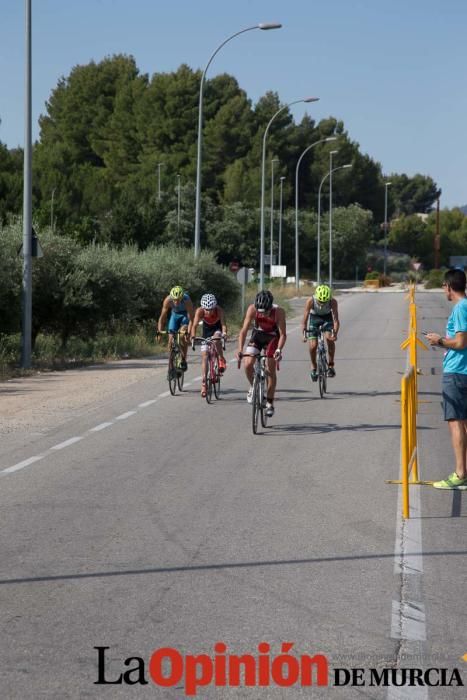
point(264, 26)
point(271, 243)
point(331, 153)
point(178, 205)
point(318, 244)
point(26, 329)
point(386, 185)
point(263, 185)
point(297, 264)
point(279, 254)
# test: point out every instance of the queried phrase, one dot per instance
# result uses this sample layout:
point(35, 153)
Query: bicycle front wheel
point(264, 418)
point(321, 376)
point(255, 406)
point(172, 372)
point(208, 381)
point(180, 379)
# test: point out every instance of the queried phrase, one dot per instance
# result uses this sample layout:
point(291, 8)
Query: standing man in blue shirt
point(455, 376)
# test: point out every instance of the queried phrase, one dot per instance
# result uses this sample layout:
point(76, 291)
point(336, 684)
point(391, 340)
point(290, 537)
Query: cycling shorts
point(209, 331)
point(315, 322)
point(176, 321)
point(260, 340)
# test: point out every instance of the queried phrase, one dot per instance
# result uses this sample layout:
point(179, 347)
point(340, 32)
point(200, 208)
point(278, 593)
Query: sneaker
point(452, 482)
point(331, 372)
point(183, 365)
point(269, 410)
point(249, 396)
point(222, 365)
point(314, 375)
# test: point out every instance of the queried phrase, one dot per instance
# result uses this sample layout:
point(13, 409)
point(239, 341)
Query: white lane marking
point(408, 621)
point(147, 403)
point(66, 443)
point(126, 415)
point(408, 557)
point(24, 463)
point(98, 428)
point(101, 426)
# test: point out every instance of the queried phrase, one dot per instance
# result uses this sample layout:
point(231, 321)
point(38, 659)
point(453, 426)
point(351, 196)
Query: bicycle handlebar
point(198, 340)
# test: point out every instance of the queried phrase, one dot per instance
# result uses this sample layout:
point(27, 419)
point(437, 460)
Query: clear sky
point(393, 70)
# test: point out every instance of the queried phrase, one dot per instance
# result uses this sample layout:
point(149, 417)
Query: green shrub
point(434, 279)
point(374, 275)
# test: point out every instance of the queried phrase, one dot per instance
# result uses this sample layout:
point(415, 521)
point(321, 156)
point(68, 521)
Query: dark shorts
point(260, 340)
point(455, 396)
point(315, 322)
point(209, 330)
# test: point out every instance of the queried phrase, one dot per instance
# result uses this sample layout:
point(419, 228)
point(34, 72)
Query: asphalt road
point(172, 525)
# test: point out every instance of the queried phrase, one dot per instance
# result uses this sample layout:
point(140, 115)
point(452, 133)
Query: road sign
point(279, 271)
point(416, 265)
point(245, 275)
point(234, 266)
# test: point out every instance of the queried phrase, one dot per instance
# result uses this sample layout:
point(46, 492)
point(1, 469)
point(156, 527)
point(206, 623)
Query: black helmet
point(263, 301)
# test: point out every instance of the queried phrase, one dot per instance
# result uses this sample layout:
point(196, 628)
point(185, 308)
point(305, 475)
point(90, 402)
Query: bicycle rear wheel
point(172, 372)
point(255, 406)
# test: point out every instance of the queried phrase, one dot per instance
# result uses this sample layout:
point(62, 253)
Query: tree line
point(109, 132)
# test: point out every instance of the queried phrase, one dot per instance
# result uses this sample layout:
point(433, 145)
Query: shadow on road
point(224, 566)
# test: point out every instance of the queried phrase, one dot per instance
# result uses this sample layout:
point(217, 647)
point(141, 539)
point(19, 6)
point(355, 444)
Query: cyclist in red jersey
point(212, 316)
point(269, 331)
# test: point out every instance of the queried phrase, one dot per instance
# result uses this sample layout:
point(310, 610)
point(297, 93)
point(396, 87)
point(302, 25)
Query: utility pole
point(437, 236)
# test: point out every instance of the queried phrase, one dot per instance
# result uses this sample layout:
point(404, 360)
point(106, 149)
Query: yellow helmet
point(323, 293)
point(176, 293)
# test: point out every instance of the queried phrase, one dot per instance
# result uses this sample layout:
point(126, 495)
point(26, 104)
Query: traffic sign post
point(244, 275)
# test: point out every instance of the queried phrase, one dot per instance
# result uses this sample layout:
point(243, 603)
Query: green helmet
point(323, 293)
point(176, 293)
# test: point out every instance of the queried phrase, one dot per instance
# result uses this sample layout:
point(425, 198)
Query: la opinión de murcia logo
point(168, 667)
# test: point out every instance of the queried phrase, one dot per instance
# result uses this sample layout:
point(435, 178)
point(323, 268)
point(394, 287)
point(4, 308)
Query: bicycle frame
point(175, 375)
point(260, 375)
point(211, 374)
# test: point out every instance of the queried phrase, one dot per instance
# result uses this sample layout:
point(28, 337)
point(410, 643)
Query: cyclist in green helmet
point(321, 310)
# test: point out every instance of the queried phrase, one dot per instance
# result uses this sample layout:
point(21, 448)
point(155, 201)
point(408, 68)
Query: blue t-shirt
point(455, 361)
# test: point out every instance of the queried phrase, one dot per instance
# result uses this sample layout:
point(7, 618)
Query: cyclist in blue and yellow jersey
point(321, 310)
point(180, 307)
point(212, 316)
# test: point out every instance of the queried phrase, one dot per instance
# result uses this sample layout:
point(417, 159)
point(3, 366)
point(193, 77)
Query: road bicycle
point(321, 361)
point(175, 374)
point(258, 404)
point(211, 375)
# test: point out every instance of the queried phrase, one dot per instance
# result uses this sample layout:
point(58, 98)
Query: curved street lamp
point(263, 177)
point(318, 244)
point(271, 245)
point(279, 255)
point(329, 138)
point(264, 26)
